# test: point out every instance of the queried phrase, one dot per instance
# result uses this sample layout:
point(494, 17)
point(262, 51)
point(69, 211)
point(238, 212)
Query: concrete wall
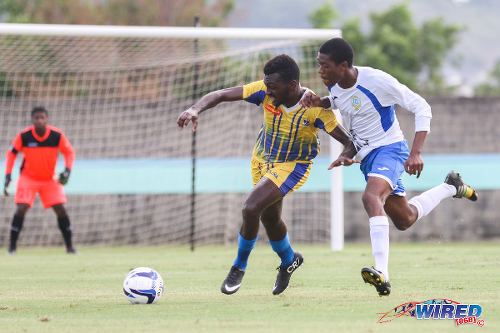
point(459, 126)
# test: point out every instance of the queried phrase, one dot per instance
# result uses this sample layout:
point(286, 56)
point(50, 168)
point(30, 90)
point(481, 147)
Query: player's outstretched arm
point(206, 102)
point(346, 158)
point(310, 100)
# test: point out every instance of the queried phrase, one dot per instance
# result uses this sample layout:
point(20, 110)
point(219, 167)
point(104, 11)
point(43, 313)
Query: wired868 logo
point(438, 308)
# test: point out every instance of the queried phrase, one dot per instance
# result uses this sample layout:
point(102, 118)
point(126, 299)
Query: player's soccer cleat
point(233, 281)
point(375, 278)
point(11, 251)
point(285, 273)
point(463, 190)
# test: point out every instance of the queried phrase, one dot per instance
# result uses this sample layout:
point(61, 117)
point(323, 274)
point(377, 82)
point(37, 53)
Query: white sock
point(428, 200)
point(379, 234)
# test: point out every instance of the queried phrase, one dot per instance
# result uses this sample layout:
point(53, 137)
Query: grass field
point(45, 290)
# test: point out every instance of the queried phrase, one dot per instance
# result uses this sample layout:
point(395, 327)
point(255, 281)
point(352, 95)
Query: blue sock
point(244, 248)
point(284, 250)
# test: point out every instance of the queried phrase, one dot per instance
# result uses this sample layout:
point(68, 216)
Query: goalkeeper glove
point(64, 176)
point(6, 184)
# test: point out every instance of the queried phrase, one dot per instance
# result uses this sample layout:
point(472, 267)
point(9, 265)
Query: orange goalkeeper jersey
point(40, 153)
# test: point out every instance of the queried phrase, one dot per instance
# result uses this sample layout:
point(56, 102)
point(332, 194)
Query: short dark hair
point(285, 66)
point(339, 50)
point(38, 109)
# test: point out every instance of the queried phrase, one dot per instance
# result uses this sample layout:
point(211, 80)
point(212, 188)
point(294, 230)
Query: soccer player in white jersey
point(366, 98)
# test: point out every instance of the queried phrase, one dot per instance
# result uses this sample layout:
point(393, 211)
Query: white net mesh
point(117, 99)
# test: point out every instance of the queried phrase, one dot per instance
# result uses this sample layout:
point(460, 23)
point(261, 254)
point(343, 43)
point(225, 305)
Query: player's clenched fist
point(187, 116)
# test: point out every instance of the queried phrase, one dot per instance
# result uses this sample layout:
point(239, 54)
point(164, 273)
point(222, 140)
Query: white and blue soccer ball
point(143, 285)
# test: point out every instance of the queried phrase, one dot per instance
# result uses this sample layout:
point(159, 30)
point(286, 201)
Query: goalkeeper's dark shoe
point(71, 250)
point(11, 251)
point(285, 273)
point(375, 278)
point(463, 190)
point(233, 281)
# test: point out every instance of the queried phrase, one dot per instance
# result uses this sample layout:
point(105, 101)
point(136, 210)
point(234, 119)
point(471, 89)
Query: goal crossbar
point(164, 32)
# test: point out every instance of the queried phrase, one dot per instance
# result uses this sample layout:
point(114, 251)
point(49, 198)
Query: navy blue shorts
point(387, 162)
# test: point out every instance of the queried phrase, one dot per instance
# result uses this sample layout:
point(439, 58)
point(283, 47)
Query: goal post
point(116, 92)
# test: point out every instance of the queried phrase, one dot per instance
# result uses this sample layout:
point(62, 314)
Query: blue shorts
point(387, 162)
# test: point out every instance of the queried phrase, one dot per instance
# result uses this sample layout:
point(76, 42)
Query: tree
point(396, 45)
point(113, 12)
point(116, 12)
point(435, 40)
point(322, 17)
point(492, 87)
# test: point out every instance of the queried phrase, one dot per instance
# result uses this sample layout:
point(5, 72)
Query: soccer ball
point(143, 285)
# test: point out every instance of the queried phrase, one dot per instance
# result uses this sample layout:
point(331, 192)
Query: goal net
point(117, 92)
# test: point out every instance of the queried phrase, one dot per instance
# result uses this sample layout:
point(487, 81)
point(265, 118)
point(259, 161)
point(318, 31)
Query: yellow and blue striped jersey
point(287, 134)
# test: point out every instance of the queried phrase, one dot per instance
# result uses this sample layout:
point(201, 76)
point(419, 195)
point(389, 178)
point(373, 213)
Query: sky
point(467, 65)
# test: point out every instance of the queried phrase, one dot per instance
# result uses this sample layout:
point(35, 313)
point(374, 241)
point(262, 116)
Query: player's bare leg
point(17, 225)
point(278, 238)
point(376, 193)
point(264, 194)
point(272, 222)
point(65, 226)
point(402, 214)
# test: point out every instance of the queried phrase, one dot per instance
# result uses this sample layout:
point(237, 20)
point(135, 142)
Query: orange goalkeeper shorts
point(51, 192)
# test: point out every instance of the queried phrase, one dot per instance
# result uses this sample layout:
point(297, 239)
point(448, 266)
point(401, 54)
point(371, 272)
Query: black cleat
point(11, 251)
point(233, 281)
point(463, 190)
point(375, 278)
point(285, 273)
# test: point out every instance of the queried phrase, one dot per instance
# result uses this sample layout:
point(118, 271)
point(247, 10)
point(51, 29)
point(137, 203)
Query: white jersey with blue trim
point(368, 109)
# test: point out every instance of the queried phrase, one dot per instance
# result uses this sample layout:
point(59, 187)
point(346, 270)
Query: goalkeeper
point(40, 145)
point(281, 162)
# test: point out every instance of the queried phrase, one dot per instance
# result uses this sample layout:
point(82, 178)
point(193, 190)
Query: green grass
point(45, 290)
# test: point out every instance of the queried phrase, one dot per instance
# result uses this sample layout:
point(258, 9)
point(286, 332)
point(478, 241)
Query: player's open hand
point(342, 161)
point(414, 164)
point(186, 117)
point(310, 100)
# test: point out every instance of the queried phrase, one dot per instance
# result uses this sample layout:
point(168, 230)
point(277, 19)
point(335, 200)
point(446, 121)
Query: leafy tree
point(435, 40)
point(113, 12)
point(492, 87)
point(322, 17)
point(396, 45)
point(116, 12)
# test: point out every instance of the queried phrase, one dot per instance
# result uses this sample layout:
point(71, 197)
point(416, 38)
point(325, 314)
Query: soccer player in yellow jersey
point(286, 145)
